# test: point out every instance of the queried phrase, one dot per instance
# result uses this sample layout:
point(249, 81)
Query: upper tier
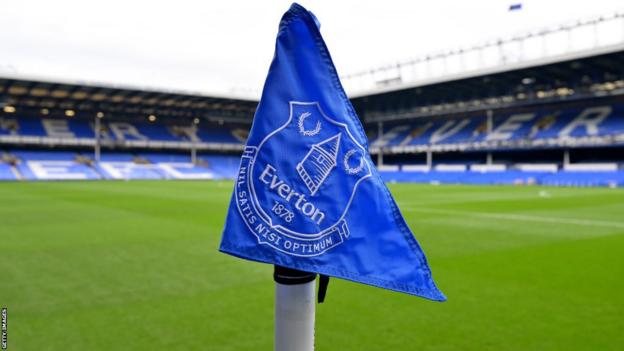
point(67, 128)
point(592, 124)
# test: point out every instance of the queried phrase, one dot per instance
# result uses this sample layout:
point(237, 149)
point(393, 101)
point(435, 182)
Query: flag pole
point(295, 305)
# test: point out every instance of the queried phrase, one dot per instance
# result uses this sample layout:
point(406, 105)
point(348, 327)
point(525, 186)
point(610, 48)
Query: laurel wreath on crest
point(302, 130)
point(349, 169)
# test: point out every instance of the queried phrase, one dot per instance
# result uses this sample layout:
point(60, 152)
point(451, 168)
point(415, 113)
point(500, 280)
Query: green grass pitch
point(134, 266)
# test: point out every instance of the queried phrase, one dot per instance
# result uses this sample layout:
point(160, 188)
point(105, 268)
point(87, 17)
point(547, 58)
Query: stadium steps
point(96, 170)
point(17, 173)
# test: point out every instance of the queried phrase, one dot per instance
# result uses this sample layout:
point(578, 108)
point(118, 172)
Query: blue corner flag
point(307, 195)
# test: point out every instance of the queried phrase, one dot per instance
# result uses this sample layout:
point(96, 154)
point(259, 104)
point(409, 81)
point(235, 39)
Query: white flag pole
point(295, 305)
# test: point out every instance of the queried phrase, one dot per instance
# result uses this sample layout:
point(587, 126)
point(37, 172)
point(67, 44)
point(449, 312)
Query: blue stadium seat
point(82, 128)
point(163, 157)
point(539, 123)
point(56, 170)
point(24, 155)
point(224, 165)
point(6, 173)
point(561, 178)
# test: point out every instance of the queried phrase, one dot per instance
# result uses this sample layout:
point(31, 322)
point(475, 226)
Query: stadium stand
point(545, 126)
point(555, 124)
point(515, 177)
point(41, 128)
point(61, 165)
point(42, 164)
point(559, 124)
point(6, 172)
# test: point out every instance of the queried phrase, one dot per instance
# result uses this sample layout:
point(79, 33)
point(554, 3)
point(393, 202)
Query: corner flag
point(308, 196)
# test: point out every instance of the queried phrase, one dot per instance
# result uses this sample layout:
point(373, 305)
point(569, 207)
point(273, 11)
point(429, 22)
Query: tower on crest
point(319, 162)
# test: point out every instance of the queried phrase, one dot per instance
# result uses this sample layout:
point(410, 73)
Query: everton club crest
point(295, 188)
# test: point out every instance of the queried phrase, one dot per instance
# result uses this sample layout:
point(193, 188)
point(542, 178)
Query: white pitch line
point(520, 217)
